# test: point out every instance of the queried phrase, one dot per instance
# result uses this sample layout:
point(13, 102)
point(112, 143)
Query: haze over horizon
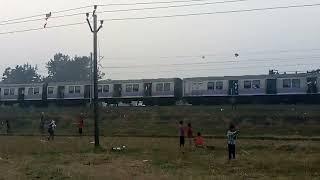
point(284, 39)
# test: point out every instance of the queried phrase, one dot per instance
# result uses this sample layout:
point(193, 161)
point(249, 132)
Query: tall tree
point(21, 74)
point(63, 68)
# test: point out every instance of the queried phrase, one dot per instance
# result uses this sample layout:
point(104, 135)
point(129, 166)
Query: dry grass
point(75, 158)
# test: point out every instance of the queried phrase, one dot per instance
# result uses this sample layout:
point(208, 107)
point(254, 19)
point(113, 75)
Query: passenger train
point(270, 88)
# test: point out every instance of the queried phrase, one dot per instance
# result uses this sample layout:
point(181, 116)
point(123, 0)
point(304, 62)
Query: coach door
point(60, 92)
point(87, 91)
point(233, 87)
point(147, 89)
point(21, 94)
point(117, 90)
point(271, 86)
point(312, 85)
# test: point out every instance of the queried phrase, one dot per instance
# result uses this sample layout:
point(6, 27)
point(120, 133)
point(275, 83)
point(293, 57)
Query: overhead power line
point(171, 16)
point(225, 54)
point(171, 6)
point(211, 13)
point(165, 2)
point(41, 28)
point(212, 69)
point(43, 14)
point(123, 10)
point(214, 62)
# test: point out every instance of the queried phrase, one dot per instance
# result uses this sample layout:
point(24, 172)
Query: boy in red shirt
point(199, 141)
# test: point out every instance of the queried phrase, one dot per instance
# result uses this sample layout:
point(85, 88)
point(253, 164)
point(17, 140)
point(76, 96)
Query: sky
point(192, 46)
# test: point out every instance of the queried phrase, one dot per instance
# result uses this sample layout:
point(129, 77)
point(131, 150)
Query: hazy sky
point(286, 39)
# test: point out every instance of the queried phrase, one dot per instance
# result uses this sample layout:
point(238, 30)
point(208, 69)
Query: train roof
point(263, 76)
point(20, 85)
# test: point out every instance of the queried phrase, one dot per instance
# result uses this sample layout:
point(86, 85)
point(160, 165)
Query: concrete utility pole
point(95, 31)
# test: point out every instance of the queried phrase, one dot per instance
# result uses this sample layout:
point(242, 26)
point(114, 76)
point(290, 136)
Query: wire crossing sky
point(145, 31)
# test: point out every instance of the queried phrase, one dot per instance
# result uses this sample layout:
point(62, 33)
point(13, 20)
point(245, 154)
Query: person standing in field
point(181, 134)
point(81, 123)
point(190, 134)
point(232, 136)
point(8, 126)
point(51, 127)
point(42, 123)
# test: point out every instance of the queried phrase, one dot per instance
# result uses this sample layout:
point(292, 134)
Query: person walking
point(42, 123)
point(81, 124)
point(232, 136)
point(181, 135)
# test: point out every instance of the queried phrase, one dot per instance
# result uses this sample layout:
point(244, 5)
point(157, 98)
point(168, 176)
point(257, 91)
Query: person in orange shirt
point(199, 141)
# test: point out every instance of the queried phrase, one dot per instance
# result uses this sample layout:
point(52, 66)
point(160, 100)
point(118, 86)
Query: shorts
point(51, 132)
point(182, 140)
point(80, 130)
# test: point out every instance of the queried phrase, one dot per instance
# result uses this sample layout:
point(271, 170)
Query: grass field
point(253, 120)
point(151, 154)
point(155, 158)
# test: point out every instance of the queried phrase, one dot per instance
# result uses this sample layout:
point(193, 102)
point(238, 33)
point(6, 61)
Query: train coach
point(164, 91)
point(22, 93)
point(272, 88)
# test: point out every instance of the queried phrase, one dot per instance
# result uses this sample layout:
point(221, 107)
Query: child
point(51, 128)
point(81, 123)
point(181, 134)
point(199, 141)
point(42, 123)
point(189, 134)
point(232, 136)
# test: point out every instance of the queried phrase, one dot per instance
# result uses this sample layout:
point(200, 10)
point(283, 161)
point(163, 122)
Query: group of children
point(188, 132)
point(184, 132)
point(51, 126)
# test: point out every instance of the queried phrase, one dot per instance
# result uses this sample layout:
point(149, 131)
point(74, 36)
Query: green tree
point(64, 68)
point(21, 74)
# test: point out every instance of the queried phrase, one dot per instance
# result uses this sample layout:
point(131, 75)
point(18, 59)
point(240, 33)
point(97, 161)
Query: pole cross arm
point(90, 25)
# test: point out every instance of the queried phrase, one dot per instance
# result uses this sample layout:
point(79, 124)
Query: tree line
point(62, 68)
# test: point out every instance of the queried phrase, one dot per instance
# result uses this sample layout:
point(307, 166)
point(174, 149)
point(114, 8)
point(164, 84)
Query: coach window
point(30, 91)
point(135, 88)
point(99, 89)
point(210, 86)
point(219, 85)
point(50, 90)
point(247, 84)
point(36, 91)
point(106, 88)
point(295, 83)
point(71, 89)
point(159, 87)
point(11, 91)
point(6, 92)
point(286, 83)
point(77, 89)
point(129, 88)
point(166, 87)
point(256, 84)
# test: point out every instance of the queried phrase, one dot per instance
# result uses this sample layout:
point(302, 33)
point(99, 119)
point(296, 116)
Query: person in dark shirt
point(42, 123)
point(181, 134)
point(8, 126)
